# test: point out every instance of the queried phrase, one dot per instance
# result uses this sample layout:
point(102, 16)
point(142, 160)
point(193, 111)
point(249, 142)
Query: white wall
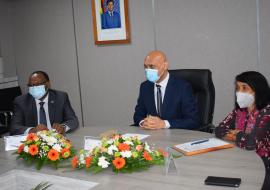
point(6, 40)
point(215, 34)
point(44, 40)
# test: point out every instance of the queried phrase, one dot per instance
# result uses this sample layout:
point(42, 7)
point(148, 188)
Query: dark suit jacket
point(25, 112)
point(178, 107)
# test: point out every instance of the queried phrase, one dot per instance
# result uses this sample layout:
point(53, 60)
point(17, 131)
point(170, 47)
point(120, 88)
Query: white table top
point(192, 170)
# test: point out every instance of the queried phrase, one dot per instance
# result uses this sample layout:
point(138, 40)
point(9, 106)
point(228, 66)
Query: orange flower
point(32, 137)
point(20, 149)
point(119, 163)
point(74, 162)
point(88, 161)
point(123, 147)
point(53, 155)
point(147, 156)
point(33, 149)
point(65, 153)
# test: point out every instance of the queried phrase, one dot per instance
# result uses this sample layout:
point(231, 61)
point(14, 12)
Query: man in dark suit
point(164, 101)
point(110, 19)
point(42, 108)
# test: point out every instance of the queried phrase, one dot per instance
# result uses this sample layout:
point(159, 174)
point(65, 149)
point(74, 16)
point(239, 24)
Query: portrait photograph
point(110, 21)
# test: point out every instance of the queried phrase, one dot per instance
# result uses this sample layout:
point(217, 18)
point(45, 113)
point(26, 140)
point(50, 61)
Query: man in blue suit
point(164, 101)
point(110, 19)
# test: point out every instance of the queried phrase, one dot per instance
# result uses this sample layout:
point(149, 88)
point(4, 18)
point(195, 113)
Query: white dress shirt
point(45, 106)
point(46, 109)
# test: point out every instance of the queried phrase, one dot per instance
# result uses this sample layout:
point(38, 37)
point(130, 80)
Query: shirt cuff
point(140, 124)
point(66, 127)
point(27, 130)
point(167, 124)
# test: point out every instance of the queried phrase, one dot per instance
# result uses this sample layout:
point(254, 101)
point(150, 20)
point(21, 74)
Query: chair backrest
point(203, 90)
point(7, 95)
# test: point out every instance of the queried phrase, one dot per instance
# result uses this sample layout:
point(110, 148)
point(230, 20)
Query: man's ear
point(166, 65)
point(48, 85)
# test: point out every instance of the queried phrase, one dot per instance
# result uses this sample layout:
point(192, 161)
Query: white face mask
point(244, 100)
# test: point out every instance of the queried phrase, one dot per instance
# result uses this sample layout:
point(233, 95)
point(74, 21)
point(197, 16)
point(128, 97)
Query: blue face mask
point(152, 75)
point(37, 91)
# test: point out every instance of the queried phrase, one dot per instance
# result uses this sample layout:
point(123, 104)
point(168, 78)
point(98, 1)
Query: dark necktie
point(159, 100)
point(42, 115)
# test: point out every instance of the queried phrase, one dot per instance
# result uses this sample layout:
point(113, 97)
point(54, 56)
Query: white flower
point(57, 147)
point(50, 140)
point(146, 147)
point(126, 154)
point(111, 149)
point(25, 149)
point(82, 159)
point(129, 142)
point(110, 141)
point(102, 162)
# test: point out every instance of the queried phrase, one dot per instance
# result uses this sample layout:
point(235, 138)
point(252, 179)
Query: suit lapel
point(152, 104)
point(51, 106)
point(33, 109)
point(168, 97)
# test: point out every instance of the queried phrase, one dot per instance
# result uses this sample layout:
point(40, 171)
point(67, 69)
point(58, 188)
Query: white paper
point(91, 142)
point(213, 142)
point(140, 136)
point(13, 142)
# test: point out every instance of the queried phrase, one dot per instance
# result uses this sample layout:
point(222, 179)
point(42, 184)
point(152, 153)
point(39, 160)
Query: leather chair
point(204, 93)
point(7, 96)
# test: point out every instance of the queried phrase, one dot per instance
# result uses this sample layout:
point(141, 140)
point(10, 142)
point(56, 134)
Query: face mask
point(244, 100)
point(37, 91)
point(152, 75)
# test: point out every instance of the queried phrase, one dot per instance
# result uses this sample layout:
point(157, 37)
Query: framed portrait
point(110, 21)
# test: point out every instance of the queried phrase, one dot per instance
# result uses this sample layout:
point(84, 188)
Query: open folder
point(202, 146)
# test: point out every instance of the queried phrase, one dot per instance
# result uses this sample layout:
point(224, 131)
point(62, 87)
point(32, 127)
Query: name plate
point(13, 142)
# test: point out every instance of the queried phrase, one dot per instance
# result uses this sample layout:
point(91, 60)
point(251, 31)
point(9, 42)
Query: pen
point(199, 142)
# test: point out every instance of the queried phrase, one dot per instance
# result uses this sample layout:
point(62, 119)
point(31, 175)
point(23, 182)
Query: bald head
point(157, 60)
point(155, 56)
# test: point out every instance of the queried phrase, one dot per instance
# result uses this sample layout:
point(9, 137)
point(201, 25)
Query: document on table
point(13, 142)
point(91, 142)
point(140, 136)
point(202, 146)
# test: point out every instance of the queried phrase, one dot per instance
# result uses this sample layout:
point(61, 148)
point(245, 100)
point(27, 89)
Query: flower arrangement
point(123, 154)
point(45, 147)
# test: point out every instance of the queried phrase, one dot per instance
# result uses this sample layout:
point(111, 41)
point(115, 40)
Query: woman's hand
point(231, 135)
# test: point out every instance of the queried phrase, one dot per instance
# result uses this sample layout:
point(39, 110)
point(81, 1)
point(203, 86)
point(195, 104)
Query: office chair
point(7, 96)
point(204, 93)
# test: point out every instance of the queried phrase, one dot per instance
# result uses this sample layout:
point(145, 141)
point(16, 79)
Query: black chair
point(7, 96)
point(204, 93)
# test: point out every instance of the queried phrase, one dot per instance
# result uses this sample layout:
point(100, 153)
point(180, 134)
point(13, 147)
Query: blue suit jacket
point(108, 21)
point(25, 112)
point(178, 107)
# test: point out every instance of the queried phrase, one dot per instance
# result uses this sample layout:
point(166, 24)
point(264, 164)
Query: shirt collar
point(164, 82)
point(45, 100)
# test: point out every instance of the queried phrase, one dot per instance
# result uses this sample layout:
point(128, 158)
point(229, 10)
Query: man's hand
point(38, 128)
point(59, 128)
point(231, 135)
point(152, 122)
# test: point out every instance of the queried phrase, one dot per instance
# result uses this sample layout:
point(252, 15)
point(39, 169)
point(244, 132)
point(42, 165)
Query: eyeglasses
point(37, 84)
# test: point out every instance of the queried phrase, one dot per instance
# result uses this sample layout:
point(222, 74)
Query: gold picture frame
point(110, 21)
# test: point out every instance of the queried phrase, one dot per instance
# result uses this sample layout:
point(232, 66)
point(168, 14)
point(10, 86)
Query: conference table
point(191, 170)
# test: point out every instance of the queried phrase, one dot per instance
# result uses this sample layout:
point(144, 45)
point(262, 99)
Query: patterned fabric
point(255, 136)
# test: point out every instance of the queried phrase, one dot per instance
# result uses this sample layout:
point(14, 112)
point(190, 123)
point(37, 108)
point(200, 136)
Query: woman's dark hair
point(258, 84)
